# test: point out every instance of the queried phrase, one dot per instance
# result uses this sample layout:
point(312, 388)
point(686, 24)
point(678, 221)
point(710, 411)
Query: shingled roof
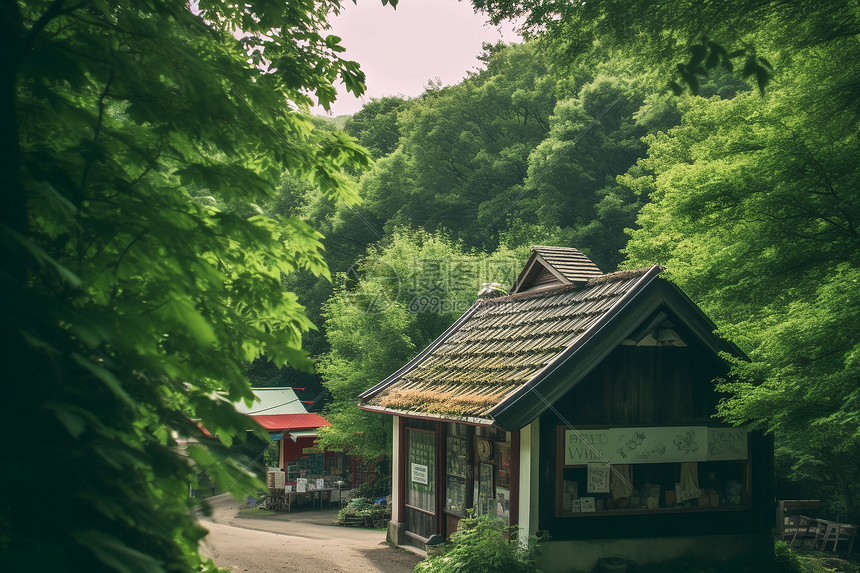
point(507, 359)
point(500, 346)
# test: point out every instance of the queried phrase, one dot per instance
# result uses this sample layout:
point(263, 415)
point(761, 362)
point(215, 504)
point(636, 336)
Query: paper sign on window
point(598, 478)
point(419, 473)
point(646, 445)
point(727, 444)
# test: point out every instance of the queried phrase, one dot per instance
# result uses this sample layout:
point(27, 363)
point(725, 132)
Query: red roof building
point(283, 414)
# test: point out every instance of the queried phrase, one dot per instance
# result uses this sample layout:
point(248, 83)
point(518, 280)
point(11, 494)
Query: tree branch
point(98, 126)
point(54, 11)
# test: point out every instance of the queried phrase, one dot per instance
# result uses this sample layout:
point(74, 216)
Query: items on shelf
point(275, 479)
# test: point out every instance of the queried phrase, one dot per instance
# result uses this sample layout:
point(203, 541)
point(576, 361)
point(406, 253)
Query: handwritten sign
point(659, 445)
point(727, 444)
point(583, 446)
point(598, 478)
point(649, 445)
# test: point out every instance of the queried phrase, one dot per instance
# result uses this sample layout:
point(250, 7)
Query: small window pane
point(421, 486)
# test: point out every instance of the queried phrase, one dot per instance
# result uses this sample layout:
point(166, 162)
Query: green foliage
point(594, 137)
point(460, 146)
point(364, 511)
point(483, 545)
point(516, 146)
point(786, 560)
point(366, 347)
point(379, 485)
point(755, 210)
point(375, 125)
point(824, 562)
point(687, 40)
point(139, 272)
point(391, 305)
point(270, 456)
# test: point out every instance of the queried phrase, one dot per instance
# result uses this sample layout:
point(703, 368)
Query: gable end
point(549, 267)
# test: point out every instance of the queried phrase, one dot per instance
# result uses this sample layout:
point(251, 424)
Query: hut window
point(621, 470)
point(420, 459)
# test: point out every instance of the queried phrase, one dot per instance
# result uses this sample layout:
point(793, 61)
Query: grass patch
point(819, 562)
point(254, 512)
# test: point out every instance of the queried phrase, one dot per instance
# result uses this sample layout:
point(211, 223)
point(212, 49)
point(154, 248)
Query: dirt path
point(299, 542)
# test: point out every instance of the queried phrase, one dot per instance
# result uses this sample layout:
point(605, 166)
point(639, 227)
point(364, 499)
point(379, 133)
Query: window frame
point(743, 473)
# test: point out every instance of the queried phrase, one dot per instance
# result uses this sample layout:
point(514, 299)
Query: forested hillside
point(521, 152)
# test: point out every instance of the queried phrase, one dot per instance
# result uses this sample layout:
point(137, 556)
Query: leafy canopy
point(131, 295)
point(686, 39)
point(395, 302)
point(755, 211)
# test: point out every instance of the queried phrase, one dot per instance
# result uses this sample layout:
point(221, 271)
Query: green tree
point(137, 275)
point(685, 39)
point(755, 211)
point(593, 138)
point(461, 146)
point(571, 192)
point(497, 116)
point(405, 292)
point(375, 125)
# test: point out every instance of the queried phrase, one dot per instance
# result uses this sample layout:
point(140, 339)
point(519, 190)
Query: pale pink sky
point(401, 50)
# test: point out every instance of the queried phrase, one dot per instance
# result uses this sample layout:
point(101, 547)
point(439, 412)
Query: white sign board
point(650, 445)
point(419, 473)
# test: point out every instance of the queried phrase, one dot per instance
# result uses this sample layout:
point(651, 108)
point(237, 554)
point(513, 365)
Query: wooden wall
point(649, 386)
point(645, 386)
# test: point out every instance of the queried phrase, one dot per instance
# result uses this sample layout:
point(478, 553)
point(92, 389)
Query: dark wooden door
point(421, 507)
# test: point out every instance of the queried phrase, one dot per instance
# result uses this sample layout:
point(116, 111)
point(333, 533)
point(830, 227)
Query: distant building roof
point(273, 401)
point(280, 409)
point(279, 422)
point(500, 362)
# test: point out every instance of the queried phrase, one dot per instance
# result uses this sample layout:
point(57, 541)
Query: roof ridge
point(602, 279)
point(620, 275)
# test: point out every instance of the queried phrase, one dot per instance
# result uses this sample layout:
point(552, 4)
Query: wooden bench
point(834, 532)
point(356, 521)
point(796, 520)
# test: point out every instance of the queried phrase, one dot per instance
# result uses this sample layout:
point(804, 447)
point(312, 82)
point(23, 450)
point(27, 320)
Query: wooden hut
point(580, 404)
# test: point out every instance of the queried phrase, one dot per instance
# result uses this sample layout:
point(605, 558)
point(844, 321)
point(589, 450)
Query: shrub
point(376, 487)
point(483, 545)
point(363, 511)
point(785, 560)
